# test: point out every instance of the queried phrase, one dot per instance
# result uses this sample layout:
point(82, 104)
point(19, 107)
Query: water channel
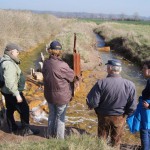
point(129, 70)
point(78, 115)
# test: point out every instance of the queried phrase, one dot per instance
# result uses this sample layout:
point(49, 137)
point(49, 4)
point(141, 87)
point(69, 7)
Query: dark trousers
point(145, 139)
point(22, 108)
point(113, 126)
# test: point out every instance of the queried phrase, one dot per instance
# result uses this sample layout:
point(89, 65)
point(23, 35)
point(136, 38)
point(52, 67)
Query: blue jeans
point(145, 139)
point(56, 120)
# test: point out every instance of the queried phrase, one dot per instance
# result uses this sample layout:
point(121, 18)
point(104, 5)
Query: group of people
point(113, 98)
point(57, 76)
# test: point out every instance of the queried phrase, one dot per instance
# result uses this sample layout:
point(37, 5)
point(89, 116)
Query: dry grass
point(131, 40)
point(85, 43)
point(28, 30)
point(25, 28)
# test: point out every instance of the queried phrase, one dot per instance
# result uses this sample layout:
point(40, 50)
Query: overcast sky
point(128, 7)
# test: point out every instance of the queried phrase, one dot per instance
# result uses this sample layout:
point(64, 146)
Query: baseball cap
point(55, 45)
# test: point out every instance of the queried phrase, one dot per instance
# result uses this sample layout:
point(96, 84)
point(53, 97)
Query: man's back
point(115, 94)
point(112, 98)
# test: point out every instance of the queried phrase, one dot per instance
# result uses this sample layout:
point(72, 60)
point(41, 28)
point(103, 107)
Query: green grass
point(99, 21)
point(132, 40)
point(73, 142)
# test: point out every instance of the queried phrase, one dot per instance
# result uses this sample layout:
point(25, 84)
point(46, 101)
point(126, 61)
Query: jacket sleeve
point(93, 97)
point(10, 77)
point(67, 73)
point(132, 101)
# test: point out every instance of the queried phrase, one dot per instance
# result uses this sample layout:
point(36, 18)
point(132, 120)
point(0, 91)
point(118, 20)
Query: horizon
point(115, 7)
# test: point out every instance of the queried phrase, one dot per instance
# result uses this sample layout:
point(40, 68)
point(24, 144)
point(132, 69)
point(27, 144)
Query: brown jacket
point(57, 77)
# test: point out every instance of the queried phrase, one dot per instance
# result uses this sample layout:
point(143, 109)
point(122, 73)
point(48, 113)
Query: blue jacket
point(140, 119)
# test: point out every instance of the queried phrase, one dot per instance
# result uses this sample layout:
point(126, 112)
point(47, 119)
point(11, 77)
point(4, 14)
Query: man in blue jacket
point(112, 98)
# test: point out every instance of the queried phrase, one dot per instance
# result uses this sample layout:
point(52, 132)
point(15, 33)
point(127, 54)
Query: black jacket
point(146, 91)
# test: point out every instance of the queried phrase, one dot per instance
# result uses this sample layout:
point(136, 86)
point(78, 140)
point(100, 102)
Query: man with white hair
point(112, 98)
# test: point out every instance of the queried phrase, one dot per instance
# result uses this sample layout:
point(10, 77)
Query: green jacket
point(14, 79)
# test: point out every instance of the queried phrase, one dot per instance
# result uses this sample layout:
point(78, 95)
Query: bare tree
point(136, 16)
point(122, 16)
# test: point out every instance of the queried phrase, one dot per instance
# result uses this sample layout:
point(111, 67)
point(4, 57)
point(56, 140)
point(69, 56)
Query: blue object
point(140, 119)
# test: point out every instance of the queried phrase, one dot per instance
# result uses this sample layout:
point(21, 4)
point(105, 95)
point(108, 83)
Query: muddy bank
point(122, 46)
point(131, 41)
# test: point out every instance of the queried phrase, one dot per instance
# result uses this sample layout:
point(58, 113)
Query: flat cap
point(12, 46)
point(114, 62)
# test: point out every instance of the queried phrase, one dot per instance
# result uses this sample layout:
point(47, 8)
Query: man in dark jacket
point(112, 98)
point(145, 133)
point(146, 73)
point(57, 77)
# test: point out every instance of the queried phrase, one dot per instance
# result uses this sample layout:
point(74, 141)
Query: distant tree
point(122, 16)
point(136, 16)
point(110, 17)
point(100, 16)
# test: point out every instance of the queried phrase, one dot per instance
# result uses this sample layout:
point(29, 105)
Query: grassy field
point(74, 142)
point(99, 21)
point(25, 28)
point(29, 30)
point(131, 40)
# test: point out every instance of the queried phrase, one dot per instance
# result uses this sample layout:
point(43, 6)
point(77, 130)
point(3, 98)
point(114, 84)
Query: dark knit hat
point(55, 45)
point(12, 46)
point(114, 62)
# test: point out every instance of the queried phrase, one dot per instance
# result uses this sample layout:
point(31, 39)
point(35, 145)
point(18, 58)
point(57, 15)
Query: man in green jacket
point(12, 91)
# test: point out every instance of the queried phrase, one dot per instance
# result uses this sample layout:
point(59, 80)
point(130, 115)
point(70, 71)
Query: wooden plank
point(105, 49)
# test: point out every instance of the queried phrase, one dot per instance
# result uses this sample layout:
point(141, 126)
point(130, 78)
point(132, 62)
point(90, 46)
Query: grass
point(129, 39)
point(25, 28)
point(28, 30)
point(73, 142)
point(99, 21)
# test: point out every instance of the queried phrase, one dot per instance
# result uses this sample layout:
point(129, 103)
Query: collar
point(8, 55)
point(54, 57)
point(114, 75)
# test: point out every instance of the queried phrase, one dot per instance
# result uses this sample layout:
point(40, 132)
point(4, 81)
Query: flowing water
point(129, 70)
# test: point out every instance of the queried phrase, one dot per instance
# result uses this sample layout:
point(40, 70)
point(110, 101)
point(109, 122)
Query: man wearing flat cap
point(14, 83)
point(112, 98)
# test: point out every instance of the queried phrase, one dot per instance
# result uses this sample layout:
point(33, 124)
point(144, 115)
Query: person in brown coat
point(57, 91)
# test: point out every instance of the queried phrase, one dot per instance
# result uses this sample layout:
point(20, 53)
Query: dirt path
point(6, 137)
